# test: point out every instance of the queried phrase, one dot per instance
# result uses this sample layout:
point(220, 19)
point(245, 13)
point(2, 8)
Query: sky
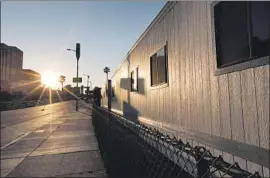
point(106, 30)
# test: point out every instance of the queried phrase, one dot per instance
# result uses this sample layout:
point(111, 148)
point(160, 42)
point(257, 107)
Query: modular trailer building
point(200, 72)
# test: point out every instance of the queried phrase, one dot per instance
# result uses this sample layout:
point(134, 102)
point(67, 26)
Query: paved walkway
point(66, 147)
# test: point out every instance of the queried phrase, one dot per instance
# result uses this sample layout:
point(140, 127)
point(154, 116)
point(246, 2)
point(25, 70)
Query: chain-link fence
point(134, 150)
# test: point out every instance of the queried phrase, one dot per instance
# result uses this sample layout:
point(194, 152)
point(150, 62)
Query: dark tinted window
point(136, 83)
point(158, 64)
point(161, 65)
point(260, 21)
point(241, 31)
point(153, 62)
point(134, 80)
point(231, 32)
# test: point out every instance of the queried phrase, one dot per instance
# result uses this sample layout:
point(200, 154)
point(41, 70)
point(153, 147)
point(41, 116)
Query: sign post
point(78, 54)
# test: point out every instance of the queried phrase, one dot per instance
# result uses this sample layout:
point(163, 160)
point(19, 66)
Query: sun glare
point(49, 79)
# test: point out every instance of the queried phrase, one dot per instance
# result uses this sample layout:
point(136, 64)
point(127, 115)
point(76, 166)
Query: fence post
point(109, 95)
point(109, 105)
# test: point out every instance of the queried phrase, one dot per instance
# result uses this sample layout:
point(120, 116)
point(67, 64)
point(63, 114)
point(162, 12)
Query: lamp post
point(88, 76)
point(78, 54)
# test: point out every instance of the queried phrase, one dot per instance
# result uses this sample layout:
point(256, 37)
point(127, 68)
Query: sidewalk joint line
point(99, 170)
point(34, 149)
point(15, 140)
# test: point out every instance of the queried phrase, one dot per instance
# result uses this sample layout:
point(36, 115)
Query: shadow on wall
point(130, 112)
point(116, 103)
point(125, 83)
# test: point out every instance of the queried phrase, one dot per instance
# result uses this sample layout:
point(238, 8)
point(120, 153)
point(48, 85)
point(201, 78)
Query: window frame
point(166, 83)
point(251, 62)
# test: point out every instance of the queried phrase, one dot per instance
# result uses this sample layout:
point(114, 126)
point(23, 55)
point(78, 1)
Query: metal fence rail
point(134, 150)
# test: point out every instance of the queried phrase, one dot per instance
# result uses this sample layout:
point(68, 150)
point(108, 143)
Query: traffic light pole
point(77, 83)
point(88, 81)
point(78, 54)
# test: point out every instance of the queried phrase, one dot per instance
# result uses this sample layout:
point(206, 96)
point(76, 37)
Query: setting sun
point(50, 79)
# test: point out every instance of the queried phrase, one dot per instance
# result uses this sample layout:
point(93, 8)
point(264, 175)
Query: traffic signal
point(78, 50)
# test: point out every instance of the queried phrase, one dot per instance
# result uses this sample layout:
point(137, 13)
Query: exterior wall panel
point(228, 107)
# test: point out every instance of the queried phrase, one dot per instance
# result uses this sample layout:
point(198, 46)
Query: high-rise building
point(11, 65)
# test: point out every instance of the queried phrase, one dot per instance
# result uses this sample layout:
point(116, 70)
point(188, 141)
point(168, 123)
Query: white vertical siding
point(234, 106)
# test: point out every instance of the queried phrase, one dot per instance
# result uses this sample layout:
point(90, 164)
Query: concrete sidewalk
point(67, 147)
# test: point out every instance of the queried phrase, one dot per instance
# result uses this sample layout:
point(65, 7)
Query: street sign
point(78, 50)
point(75, 80)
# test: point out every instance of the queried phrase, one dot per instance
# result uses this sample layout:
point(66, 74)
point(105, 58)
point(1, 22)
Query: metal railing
point(135, 150)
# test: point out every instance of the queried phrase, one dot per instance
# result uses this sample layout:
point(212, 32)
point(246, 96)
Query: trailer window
point(158, 67)
point(241, 31)
point(134, 80)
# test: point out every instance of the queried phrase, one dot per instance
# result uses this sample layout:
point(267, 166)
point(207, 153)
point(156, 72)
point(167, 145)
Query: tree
point(66, 94)
point(106, 70)
point(62, 80)
point(5, 96)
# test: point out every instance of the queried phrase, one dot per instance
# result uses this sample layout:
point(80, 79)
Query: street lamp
point(78, 54)
point(88, 76)
point(71, 50)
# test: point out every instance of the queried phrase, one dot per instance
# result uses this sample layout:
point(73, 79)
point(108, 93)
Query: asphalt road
point(50, 141)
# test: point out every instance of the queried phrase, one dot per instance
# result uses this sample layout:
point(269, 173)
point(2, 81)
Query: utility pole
point(77, 79)
point(87, 79)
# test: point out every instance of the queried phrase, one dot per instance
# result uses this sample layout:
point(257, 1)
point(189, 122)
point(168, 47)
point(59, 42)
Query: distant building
point(11, 65)
point(28, 81)
point(15, 79)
